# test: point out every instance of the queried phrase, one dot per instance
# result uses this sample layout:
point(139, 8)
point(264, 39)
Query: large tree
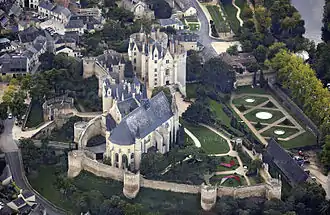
point(326, 22)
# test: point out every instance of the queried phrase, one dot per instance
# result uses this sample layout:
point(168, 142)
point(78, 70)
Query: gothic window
point(167, 61)
point(155, 75)
point(155, 79)
point(155, 70)
point(134, 68)
point(134, 53)
point(155, 61)
point(167, 72)
point(134, 60)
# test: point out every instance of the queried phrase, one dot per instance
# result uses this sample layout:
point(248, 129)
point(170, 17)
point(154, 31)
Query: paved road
point(8, 145)
point(204, 38)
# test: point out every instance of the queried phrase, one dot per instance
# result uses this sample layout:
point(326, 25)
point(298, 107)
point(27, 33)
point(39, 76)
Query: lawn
point(288, 132)
point(35, 117)
point(242, 100)
point(152, 200)
point(216, 107)
point(227, 159)
point(259, 127)
point(210, 141)
point(217, 18)
point(231, 12)
point(229, 182)
point(305, 139)
point(251, 116)
point(188, 141)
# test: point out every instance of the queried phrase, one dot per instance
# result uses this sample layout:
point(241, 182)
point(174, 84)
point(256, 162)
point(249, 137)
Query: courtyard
point(266, 118)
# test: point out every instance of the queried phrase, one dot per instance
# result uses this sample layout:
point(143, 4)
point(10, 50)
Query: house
point(29, 35)
point(189, 41)
point(277, 158)
point(54, 11)
point(75, 25)
point(6, 177)
point(90, 22)
point(13, 64)
point(67, 50)
point(20, 206)
point(4, 209)
point(171, 22)
point(5, 45)
point(238, 62)
point(94, 12)
point(139, 8)
point(28, 197)
point(187, 7)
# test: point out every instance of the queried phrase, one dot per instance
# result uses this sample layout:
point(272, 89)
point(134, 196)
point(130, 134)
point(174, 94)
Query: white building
point(67, 50)
point(135, 124)
point(139, 8)
point(54, 11)
point(158, 59)
point(171, 22)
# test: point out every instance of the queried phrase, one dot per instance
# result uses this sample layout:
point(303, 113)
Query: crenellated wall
point(81, 160)
point(131, 184)
point(208, 196)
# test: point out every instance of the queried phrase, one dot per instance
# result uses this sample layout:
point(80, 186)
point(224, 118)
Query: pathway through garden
point(238, 13)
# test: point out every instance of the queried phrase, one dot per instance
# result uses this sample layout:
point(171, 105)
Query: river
point(312, 12)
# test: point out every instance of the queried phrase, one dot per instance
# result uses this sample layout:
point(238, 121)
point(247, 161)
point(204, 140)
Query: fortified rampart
point(94, 127)
point(56, 107)
point(81, 160)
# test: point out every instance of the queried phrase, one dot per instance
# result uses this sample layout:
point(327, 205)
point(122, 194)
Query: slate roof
point(15, 10)
point(110, 123)
point(30, 34)
point(75, 24)
point(127, 106)
point(13, 63)
point(170, 21)
point(186, 37)
point(277, 155)
point(19, 202)
point(55, 8)
point(27, 194)
point(142, 121)
point(39, 42)
point(46, 5)
point(62, 47)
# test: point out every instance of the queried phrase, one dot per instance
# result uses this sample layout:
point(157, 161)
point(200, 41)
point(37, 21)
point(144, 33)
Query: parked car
point(10, 116)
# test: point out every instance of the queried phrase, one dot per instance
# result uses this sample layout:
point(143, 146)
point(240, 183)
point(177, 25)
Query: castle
point(158, 59)
point(135, 124)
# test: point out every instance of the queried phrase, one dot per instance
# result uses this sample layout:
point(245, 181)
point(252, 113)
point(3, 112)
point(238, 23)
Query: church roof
point(142, 121)
point(127, 106)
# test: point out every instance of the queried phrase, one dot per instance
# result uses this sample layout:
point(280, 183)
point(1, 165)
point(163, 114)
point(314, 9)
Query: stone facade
point(57, 107)
point(131, 184)
point(246, 78)
point(158, 59)
point(208, 196)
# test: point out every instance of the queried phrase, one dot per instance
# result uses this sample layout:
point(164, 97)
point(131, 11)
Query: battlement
point(208, 196)
point(131, 184)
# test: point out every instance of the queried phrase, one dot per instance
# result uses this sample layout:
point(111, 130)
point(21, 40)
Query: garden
point(218, 19)
point(231, 12)
point(231, 180)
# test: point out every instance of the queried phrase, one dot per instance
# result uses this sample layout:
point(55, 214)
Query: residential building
point(54, 11)
point(171, 22)
point(139, 8)
point(5, 45)
point(189, 41)
point(90, 23)
point(158, 59)
point(136, 124)
point(68, 51)
point(187, 7)
point(13, 64)
point(95, 12)
point(75, 26)
point(281, 162)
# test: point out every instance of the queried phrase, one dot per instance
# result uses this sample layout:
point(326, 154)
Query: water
point(312, 12)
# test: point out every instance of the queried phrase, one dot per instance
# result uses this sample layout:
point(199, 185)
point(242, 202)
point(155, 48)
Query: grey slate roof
point(75, 24)
point(142, 121)
point(39, 42)
point(27, 194)
point(13, 63)
point(127, 106)
point(110, 123)
point(170, 21)
point(19, 202)
point(46, 5)
point(186, 37)
point(275, 154)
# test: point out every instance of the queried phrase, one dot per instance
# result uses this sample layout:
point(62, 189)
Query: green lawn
point(251, 116)
point(288, 132)
point(229, 182)
point(193, 27)
point(210, 141)
point(231, 12)
point(155, 201)
point(188, 141)
point(305, 139)
point(35, 116)
point(227, 159)
point(241, 100)
point(220, 114)
point(259, 128)
point(218, 20)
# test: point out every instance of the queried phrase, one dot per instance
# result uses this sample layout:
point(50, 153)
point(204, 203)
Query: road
point(9, 147)
point(204, 38)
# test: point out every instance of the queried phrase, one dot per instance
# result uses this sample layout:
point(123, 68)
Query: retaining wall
point(93, 128)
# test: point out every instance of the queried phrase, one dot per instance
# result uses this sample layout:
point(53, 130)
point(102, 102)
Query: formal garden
point(218, 18)
point(270, 119)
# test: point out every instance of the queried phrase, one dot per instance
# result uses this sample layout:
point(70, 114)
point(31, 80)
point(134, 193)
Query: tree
point(219, 75)
point(3, 111)
point(165, 90)
point(263, 19)
point(326, 22)
point(194, 66)
point(260, 53)
point(232, 50)
point(275, 48)
point(325, 156)
point(161, 9)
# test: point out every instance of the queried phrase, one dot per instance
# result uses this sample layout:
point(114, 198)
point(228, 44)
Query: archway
point(131, 165)
point(116, 159)
point(125, 161)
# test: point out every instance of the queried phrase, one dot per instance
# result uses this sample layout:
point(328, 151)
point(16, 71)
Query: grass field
point(231, 12)
point(305, 139)
point(156, 201)
point(216, 107)
point(241, 100)
point(210, 141)
point(217, 18)
point(187, 140)
point(35, 116)
point(288, 132)
point(251, 116)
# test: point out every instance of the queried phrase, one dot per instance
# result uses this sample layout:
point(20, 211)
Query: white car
point(10, 116)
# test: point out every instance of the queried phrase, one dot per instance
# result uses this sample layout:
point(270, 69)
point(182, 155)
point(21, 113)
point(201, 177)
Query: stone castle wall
point(78, 160)
point(93, 128)
point(247, 78)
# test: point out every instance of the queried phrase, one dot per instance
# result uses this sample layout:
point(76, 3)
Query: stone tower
point(208, 196)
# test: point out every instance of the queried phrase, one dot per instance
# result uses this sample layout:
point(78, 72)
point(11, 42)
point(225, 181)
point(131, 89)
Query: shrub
point(242, 108)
